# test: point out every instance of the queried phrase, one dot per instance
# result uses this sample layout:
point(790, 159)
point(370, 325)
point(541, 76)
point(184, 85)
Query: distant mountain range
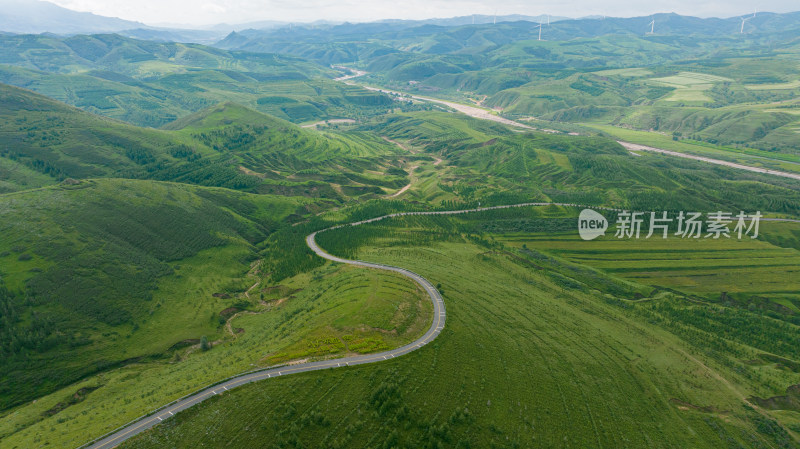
point(36, 17)
point(559, 28)
point(33, 17)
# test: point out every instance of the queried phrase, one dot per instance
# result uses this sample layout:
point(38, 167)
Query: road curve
point(146, 422)
point(141, 424)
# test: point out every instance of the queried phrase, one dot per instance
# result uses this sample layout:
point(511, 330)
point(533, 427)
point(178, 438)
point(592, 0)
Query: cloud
point(213, 8)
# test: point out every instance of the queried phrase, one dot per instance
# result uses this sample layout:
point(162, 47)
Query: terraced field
point(689, 86)
point(704, 267)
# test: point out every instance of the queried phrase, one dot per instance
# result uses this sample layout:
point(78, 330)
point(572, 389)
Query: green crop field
point(631, 72)
point(689, 86)
point(706, 267)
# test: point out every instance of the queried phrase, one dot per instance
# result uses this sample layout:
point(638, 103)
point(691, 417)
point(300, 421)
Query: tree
point(204, 344)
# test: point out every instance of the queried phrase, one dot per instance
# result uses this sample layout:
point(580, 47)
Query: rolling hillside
point(83, 295)
point(150, 83)
point(537, 352)
point(697, 78)
point(59, 141)
point(155, 199)
point(44, 142)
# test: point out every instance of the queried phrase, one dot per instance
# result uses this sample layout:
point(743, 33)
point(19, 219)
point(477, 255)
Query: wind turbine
point(652, 26)
point(744, 19)
point(495, 17)
point(540, 30)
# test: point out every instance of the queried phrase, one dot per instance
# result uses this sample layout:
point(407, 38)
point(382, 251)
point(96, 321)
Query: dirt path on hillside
point(397, 143)
point(411, 177)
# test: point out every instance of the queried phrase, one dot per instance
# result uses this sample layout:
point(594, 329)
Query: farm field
point(706, 267)
point(689, 86)
point(628, 72)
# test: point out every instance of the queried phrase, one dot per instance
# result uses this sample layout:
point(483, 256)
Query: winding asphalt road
point(146, 422)
point(141, 424)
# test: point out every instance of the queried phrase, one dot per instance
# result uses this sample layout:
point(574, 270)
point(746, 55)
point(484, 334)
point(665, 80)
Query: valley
point(252, 241)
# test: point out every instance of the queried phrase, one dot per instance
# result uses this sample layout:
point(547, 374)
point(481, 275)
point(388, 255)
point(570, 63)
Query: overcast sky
point(199, 12)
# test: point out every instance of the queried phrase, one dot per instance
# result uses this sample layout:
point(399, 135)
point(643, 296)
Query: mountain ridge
point(19, 16)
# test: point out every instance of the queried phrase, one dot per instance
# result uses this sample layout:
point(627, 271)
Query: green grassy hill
point(44, 142)
point(146, 258)
point(151, 83)
point(536, 353)
point(305, 308)
point(691, 78)
point(492, 165)
point(109, 287)
point(139, 58)
point(59, 141)
point(92, 273)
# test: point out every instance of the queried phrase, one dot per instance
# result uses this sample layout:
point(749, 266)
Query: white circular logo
point(591, 224)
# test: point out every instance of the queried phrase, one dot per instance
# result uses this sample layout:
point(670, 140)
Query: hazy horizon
point(186, 13)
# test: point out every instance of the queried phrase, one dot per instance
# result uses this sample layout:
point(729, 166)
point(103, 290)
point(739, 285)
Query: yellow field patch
point(689, 86)
point(631, 72)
